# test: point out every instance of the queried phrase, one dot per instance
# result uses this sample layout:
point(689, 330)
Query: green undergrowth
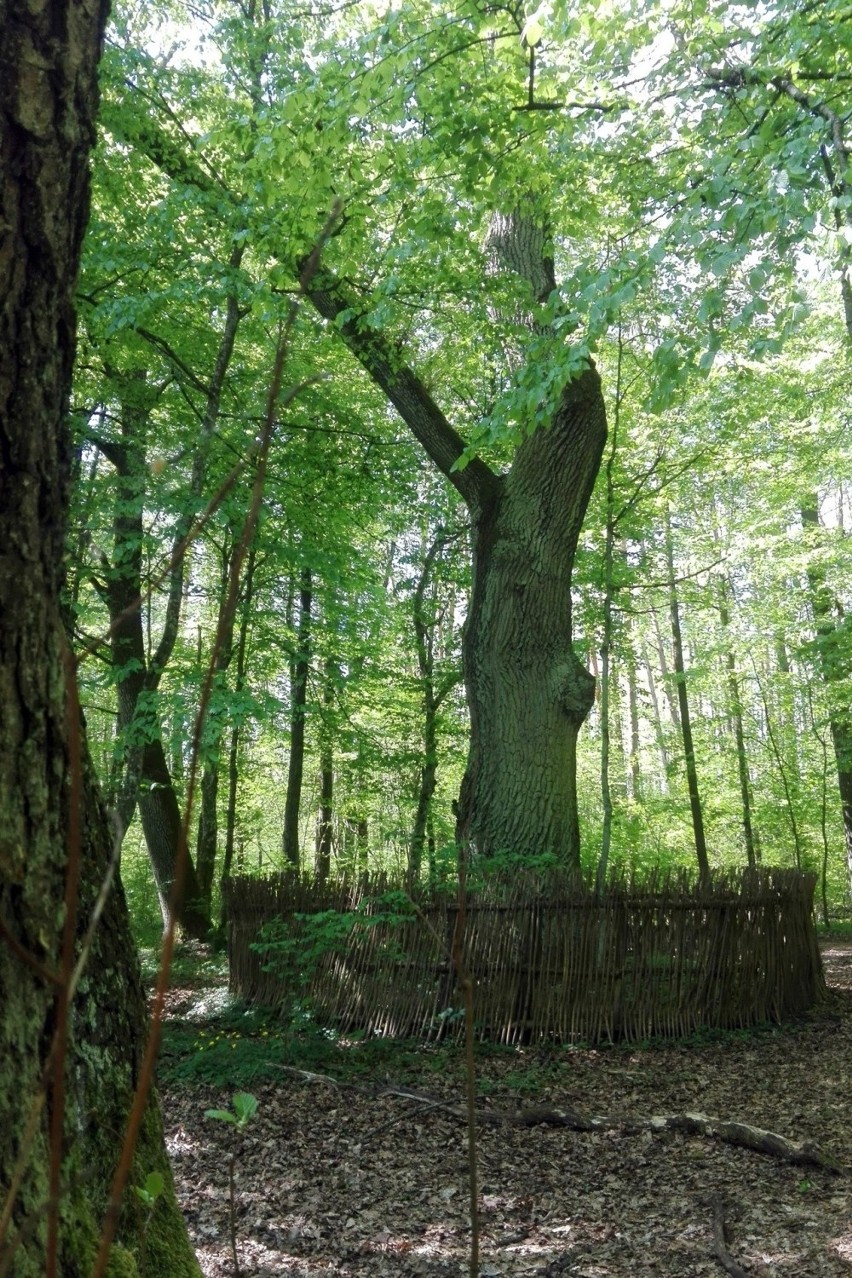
point(193, 965)
point(237, 1046)
point(245, 1045)
point(837, 930)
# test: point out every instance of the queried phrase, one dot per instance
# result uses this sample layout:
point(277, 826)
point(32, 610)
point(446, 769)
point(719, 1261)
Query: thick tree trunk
point(527, 691)
point(48, 60)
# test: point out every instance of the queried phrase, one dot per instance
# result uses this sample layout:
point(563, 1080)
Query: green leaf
point(533, 30)
point(151, 1190)
point(224, 1115)
point(245, 1107)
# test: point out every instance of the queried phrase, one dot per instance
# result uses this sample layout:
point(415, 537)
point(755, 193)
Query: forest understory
point(341, 1172)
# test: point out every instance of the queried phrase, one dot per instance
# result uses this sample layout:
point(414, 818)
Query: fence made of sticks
point(549, 957)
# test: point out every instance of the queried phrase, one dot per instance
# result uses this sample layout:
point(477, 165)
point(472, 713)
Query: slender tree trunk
point(635, 744)
point(789, 798)
point(325, 822)
point(147, 779)
point(736, 712)
point(59, 1150)
point(659, 731)
point(669, 684)
point(363, 844)
point(207, 840)
point(424, 633)
point(298, 702)
point(683, 704)
point(234, 746)
point(834, 663)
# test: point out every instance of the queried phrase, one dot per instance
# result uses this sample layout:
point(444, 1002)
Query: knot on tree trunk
point(574, 687)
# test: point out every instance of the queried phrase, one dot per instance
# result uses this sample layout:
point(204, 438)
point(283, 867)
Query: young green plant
point(244, 1109)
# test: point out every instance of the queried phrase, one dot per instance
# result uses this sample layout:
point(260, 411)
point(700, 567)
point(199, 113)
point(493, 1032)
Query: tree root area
point(371, 1180)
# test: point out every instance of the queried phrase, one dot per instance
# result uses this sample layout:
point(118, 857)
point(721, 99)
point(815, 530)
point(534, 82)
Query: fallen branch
point(743, 1135)
point(720, 1245)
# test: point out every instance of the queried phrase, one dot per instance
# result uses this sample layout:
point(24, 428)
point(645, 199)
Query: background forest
point(687, 165)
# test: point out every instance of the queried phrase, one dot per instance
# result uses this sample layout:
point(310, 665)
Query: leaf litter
point(334, 1181)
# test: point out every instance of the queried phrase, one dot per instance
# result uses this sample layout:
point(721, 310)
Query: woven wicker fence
point(549, 959)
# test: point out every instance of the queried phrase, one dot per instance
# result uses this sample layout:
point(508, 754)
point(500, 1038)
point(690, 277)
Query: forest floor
point(339, 1174)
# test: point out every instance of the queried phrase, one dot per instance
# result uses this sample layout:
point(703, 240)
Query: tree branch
point(476, 483)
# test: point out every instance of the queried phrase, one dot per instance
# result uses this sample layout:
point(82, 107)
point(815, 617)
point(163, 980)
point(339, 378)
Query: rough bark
point(48, 98)
point(527, 691)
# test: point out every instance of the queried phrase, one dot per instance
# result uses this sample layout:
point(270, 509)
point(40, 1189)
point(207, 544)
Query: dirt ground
point(350, 1180)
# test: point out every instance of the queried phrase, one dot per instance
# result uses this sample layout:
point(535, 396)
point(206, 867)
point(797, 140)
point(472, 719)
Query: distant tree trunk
point(431, 851)
point(606, 642)
point(48, 98)
point(683, 704)
point(299, 668)
point(527, 692)
point(835, 664)
point(363, 844)
point(425, 624)
point(234, 745)
point(789, 799)
point(736, 712)
point(659, 731)
point(635, 744)
point(325, 821)
point(669, 684)
point(207, 840)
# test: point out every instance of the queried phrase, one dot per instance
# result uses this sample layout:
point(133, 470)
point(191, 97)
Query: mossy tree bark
point(48, 98)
